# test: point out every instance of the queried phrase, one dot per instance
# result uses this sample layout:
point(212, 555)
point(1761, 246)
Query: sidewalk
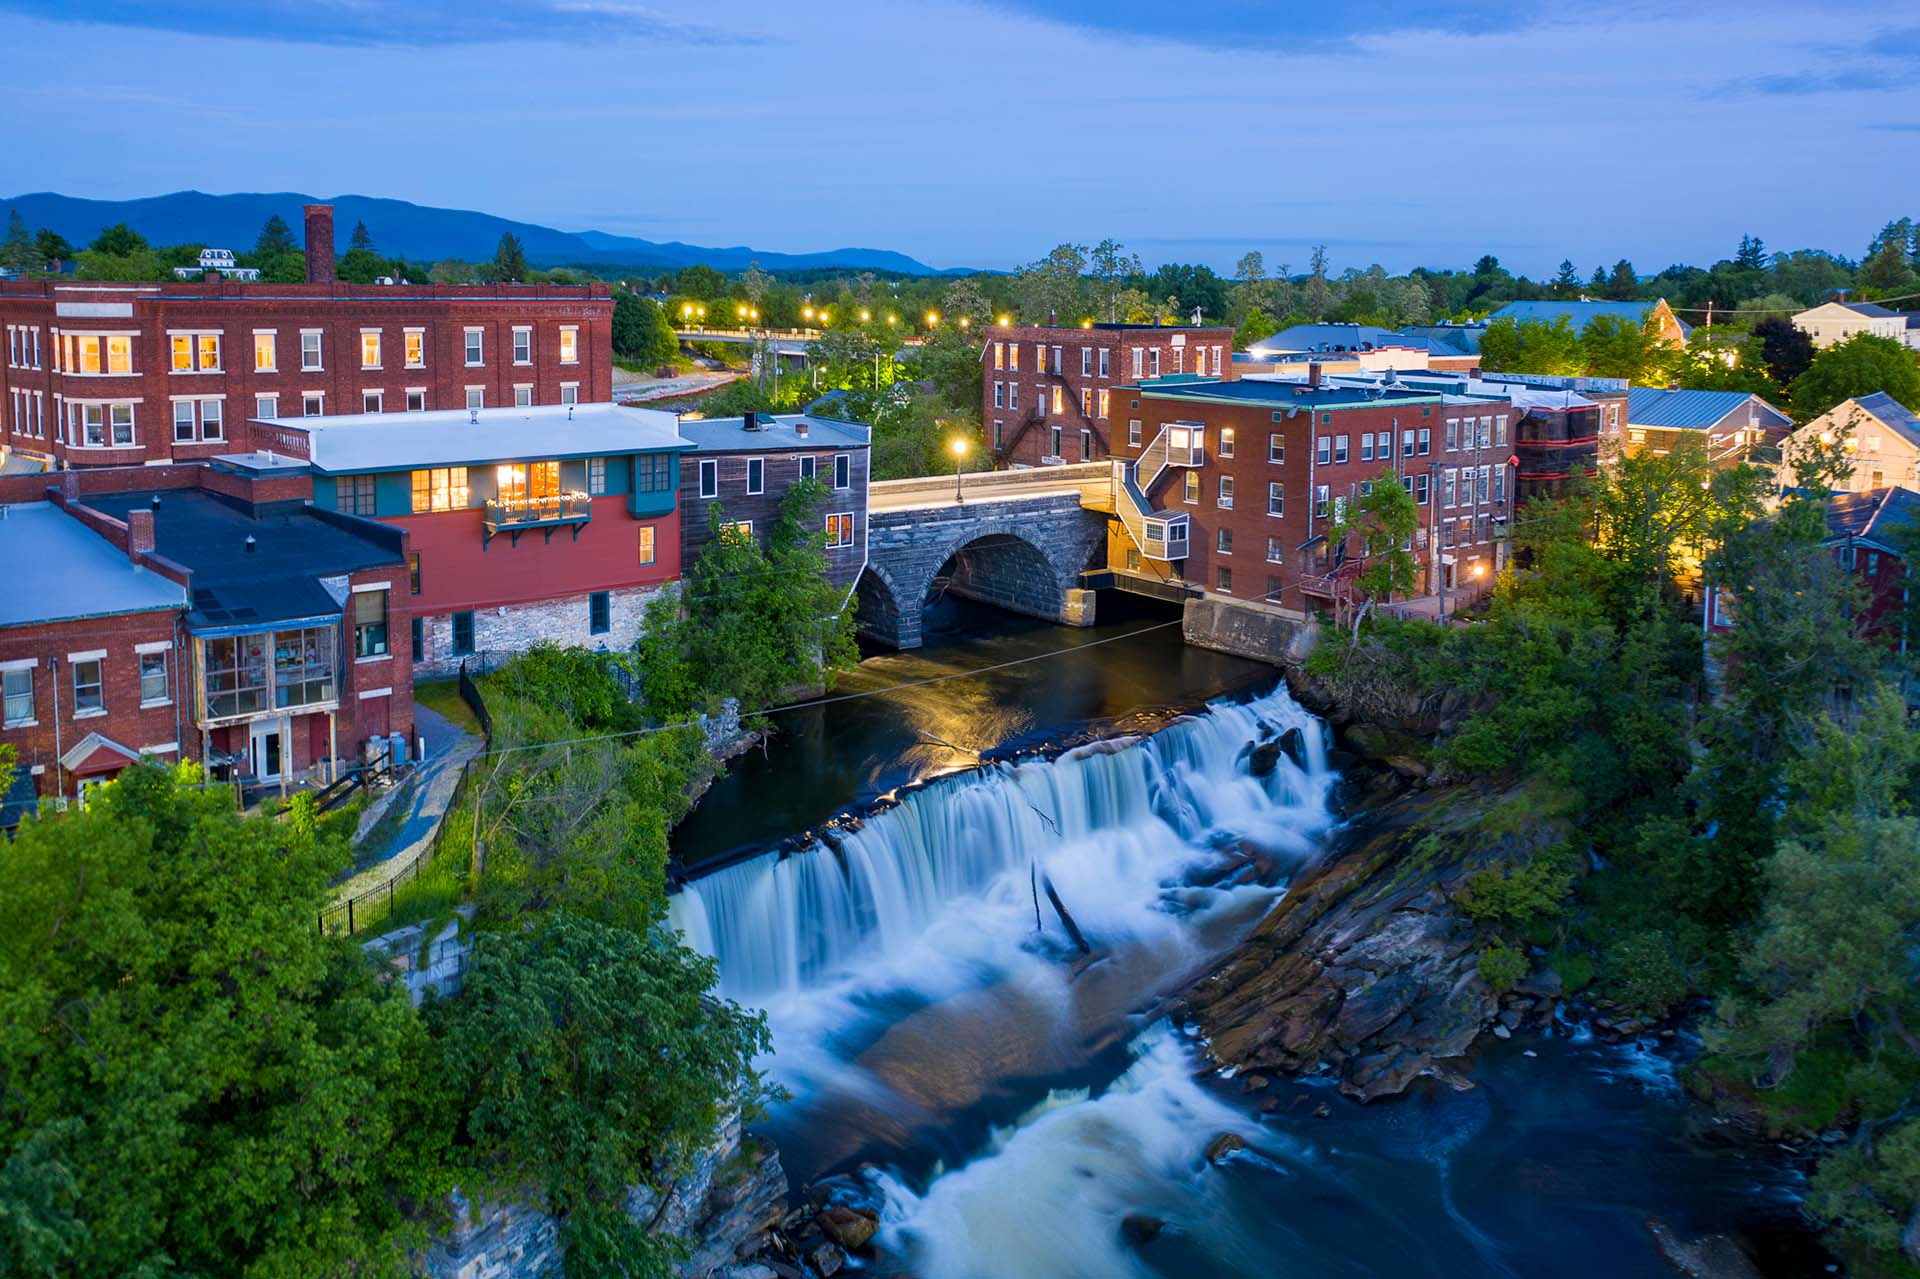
point(420, 803)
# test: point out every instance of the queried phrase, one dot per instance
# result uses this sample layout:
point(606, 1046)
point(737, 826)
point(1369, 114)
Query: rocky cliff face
point(1365, 967)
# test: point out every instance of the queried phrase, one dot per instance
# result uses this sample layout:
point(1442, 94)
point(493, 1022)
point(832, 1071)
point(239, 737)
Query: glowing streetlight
point(806, 313)
point(933, 318)
point(959, 447)
point(865, 315)
point(1006, 321)
point(825, 315)
point(1086, 324)
point(964, 321)
point(893, 319)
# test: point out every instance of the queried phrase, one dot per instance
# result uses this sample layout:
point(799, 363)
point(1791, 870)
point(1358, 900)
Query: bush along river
point(1161, 987)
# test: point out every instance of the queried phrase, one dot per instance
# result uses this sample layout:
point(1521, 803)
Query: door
point(267, 748)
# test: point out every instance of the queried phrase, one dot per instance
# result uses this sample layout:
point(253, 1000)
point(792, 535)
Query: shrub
point(1644, 974)
point(1519, 895)
point(1502, 966)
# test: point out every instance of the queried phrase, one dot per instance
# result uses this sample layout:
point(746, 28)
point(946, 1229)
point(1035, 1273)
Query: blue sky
point(983, 132)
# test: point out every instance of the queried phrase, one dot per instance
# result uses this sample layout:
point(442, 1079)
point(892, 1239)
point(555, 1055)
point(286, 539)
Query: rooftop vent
point(251, 544)
point(473, 417)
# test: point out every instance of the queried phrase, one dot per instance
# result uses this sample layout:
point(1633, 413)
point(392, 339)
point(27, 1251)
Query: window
point(596, 476)
point(654, 472)
point(416, 400)
point(1200, 361)
point(569, 392)
point(1133, 432)
point(1226, 493)
point(153, 678)
point(419, 638)
point(709, 479)
point(999, 395)
point(1320, 499)
point(89, 688)
point(1223, 541)
point(313, 403)
point(1226, 441)
point(1323, 450)
point(1453, 434)
point(522, 482)
point(17, 685)
point(1276, 550)
point(599, 613)
point(999, 430)
point(266, 356)
point(370, 623)
point(1086, 446)
point(999, 355)
point(310, 350)
point(1499, 483)
point(413, 578)
point(1276, 499)
point(569, 345)
point(1339, 448)
point(1013, 356)
point(1422, 488)
point(1155, 353)
point(414, 349)
point(1133, 559)
point(809, 466)
point(1446, 533)
point(370, 401)
point(756, 475)
point(1223, 580)
point(463, 633)
point(476, 398)
point(1053, 442)
point(1500, 431)
point(1366, 446)
point(1103, 401)
point(182, 421)
point(1277, 449)
point(646, 544)
point(1086, 361)
point(356, 495)
point(1447, 481)
point(737, 531)
point(443, 488)
point(1480, 486)
point(370, 348)
point(1406, 444)
point(523, 346)
point(1104, 354)
point(1013, 395)
point(1486, 432)
point(1426, 441)
point(1056, 361)
point(1059, 400)
point(522, 395)
point(1191, 492)
point(840, 529)
point(1139, 360)
point(843, 470)
point(473, 347)
point(266, 406)
point(194, 353)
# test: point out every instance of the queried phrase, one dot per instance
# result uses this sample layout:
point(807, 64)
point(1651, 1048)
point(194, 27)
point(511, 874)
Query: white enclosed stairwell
point(1161, 534)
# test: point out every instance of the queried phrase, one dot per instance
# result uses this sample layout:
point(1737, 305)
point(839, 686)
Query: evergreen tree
point(1319, 297)
point(18, 251)
point(509, 260)
point(361, 238)
point(1622, 284)
point(53, 246)
point(275, 237)
point(1566, 283)
point(1751, 255)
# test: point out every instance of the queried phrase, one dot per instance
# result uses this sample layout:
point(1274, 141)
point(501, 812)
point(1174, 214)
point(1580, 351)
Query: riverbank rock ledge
point(1364, 968)
point(735, 1191)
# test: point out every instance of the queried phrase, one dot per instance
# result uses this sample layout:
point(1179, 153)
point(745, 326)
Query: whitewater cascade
point(928, 891)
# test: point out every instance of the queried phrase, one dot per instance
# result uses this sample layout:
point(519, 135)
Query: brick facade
point(56, 410)
point(1046, 392)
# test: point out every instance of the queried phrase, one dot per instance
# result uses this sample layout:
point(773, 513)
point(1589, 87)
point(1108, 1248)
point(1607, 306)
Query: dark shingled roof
point(1872, 515)
point(279, 580)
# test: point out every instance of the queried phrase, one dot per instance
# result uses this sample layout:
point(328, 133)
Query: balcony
point(516, 515)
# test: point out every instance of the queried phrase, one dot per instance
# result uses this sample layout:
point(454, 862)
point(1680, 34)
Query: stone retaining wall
point(1249, 630)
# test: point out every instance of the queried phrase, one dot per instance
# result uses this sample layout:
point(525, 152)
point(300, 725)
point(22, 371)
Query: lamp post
point(959, 455)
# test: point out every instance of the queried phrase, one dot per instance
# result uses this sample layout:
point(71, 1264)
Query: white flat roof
point(354, 442)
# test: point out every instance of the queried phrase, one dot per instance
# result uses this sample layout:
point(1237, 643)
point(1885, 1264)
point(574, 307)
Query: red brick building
point(196, 612)
point(1046, 392)
point(133, 374)
point(1237, 485)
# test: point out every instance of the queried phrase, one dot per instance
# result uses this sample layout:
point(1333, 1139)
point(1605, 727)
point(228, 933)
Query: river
point(1011, 1096)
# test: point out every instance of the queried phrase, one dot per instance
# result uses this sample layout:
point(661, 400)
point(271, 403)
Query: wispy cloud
point(1886, 60)
point(1261, 24)
point(383, 23)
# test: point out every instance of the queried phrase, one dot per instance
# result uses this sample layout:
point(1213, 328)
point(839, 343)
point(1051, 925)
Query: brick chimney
point(139, 534)
point(319, 244)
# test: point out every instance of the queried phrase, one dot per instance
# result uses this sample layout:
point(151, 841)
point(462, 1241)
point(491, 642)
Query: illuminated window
point(415, 349)
point(569, 345)
point(1226, 441)
point(266, 355)
point(370, 350)
point(646, 543)
point(444, 488)
point(840, 529)
point(1191, 494)
point(523, 481)
point(87, 352)
point(120, 355)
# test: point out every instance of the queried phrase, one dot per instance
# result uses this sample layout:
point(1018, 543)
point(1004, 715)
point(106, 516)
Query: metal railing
point(554, 509)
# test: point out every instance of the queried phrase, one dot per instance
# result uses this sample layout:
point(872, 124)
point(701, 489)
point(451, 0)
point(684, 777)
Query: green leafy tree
point(1056, 285)
point(509, 260)
point(1858, 366)
point(1257, 324)
point(1616, 347)
point(1317, 297)
point(1384, 519)
point(642, 333)
point(700, 282)
point(1785, 348)
point(1112, 266)
point(1889, 268)
point(360, 264)
point(1532, 346)
point(119, 241)
point(198, 1081)
point(590, 1059)
point(52, 246)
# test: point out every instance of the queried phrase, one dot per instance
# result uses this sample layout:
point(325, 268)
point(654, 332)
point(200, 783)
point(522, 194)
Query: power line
point(845, 697)
point(1733, 310)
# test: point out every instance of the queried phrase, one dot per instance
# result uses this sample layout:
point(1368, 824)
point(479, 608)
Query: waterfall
point(927, 892)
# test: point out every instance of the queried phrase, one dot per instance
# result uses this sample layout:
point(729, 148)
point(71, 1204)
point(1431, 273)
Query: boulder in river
point(1263, 759)
point(826, 1259)
point(1223, 1145)
point(847, 1227)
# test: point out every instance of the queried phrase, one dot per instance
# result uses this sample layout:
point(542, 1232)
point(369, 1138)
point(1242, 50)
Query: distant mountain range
point(414, 231)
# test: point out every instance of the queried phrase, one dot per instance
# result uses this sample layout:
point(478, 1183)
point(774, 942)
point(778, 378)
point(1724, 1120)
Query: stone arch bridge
point(1019, 540)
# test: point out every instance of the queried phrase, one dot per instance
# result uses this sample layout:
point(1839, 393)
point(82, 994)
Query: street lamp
point(1006, 321)
point(964, 321)
point(825, 316)
point(959, 455)
point(893, 319)
point(865, 315)
point(933, 318)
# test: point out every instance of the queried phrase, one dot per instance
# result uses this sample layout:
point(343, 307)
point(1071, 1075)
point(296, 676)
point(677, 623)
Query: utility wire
point(844, 697)
point(1734, 310)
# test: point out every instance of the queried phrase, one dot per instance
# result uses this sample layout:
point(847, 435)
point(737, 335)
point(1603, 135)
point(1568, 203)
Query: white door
point(267, 745)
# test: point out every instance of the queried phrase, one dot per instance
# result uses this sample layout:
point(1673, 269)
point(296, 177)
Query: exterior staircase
point(1161, 534)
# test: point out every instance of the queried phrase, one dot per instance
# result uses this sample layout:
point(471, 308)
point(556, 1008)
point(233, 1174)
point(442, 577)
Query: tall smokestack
point(1313, 374)
point(319, 244)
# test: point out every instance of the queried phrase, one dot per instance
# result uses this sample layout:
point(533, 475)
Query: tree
point(1785, 348)
point(223, 1088)
point(1195, 287)
point(1622, 284)
point(361, 238)
point(1112, 265)
point(589, 1059)
point(1532, 346)
point(1616, 347)
point(1257, 324)
point(18, 251)
point(1251, 269)
point(1385, 518)
point(52, 246)
point(119, 241)
point(700, 282)
point(1054, 286)
point(642, 333)
point(1860, 365)
point(1318, 296)
point(1566, 282)
point(275, 237)
point(1752, 254)
point(509, 260)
